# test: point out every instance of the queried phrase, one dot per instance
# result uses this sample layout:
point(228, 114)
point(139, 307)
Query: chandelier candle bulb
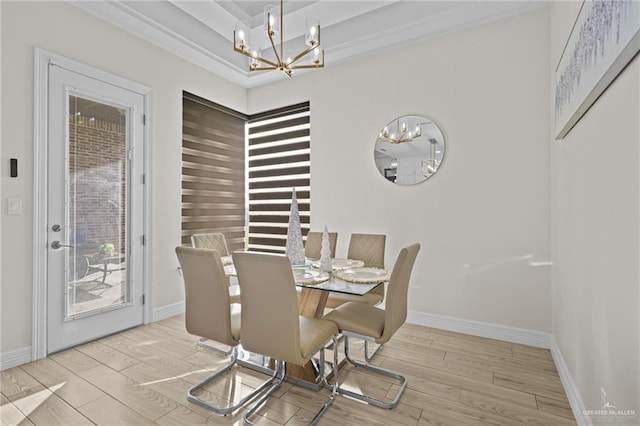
point(241, 37)
point(271, 21)
point(313, 32)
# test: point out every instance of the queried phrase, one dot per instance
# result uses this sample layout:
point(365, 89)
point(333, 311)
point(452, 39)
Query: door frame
point(42, 59)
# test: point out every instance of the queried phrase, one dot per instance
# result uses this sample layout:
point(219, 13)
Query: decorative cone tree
point(295, 246)
point(325, 252)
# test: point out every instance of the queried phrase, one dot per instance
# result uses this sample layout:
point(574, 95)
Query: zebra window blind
point(213, 171)
point(278, 161)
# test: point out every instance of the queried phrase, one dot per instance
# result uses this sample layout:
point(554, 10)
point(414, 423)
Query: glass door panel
point(96, 207)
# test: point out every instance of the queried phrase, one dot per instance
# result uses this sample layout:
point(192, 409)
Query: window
point(213, 171)
point(278, 161)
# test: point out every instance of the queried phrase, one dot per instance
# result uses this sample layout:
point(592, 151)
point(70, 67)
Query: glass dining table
point(348, 277)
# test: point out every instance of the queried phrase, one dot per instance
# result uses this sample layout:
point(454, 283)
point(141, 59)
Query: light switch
point(14, 206)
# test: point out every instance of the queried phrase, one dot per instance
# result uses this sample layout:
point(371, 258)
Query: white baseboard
point(168, 311)
point(483, 329)
point(15, 358)
point(570, 388)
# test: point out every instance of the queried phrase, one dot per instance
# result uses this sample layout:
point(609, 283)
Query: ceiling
point(201, 31)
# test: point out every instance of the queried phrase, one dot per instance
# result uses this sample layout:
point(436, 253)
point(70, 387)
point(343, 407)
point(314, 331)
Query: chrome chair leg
point(191, 397)
point(368, 357)
point(275, 381)
point(368, 399)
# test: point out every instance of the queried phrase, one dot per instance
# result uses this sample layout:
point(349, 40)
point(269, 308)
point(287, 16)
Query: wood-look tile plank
point(183, 416)
point(74, 360)
point(550, 387)
point(409, 353)
point(46, 408)
point(104, 411)
point(440, 411)
point(438, 334)
point(508, 410)
point(417, 373)
point(500, 363)
point(151, 356)
point(67, 385)
point(15, 383)
point(155, 337)
point(556, 407)
point(11, 416)
point(461, 345)
point(410, 336)
point(108, 356)
point(142, 399)
point(537, 355)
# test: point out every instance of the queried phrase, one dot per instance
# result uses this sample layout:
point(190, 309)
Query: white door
point(94, 208)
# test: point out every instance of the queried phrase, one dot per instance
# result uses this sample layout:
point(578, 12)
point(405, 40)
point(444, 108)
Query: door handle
point(56, 245)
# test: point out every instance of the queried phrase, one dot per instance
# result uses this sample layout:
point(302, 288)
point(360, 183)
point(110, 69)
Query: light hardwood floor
point(141, 376)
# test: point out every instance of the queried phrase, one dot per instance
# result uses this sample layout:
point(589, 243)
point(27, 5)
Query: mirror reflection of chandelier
point(399, 132)
point(273, 25)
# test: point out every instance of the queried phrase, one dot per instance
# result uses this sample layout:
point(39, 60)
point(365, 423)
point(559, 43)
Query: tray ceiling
point(202, 31)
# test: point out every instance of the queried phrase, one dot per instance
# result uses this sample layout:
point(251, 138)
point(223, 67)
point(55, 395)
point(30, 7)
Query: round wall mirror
point(409, 150)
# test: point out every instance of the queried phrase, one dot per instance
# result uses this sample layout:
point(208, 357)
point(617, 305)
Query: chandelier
point(399, 132)
point(274, 26)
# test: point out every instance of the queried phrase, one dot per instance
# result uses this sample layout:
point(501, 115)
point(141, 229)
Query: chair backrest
point(269, 317)
point(214, 241)
point(313, 244)
point(396, 305)
point(208, 311)
point(369, 248)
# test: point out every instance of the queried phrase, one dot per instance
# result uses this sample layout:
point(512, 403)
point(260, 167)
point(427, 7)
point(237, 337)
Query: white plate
point(309, 276)
point(363, 275)
point(302, 274)
point(226, 260)
point(338, 264)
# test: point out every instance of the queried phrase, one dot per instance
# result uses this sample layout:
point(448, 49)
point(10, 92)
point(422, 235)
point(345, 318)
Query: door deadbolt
point(56, 228)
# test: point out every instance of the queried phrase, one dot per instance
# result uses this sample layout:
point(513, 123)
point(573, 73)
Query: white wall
point(595, 238)
point(68, 31)
point(483, 219)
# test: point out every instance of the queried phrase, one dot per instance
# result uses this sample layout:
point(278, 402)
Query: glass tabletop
point(333, 283)
point(340, 286)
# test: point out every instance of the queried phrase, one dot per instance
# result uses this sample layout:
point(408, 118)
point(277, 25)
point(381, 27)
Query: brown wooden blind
point(278, 161)
point(213, 171)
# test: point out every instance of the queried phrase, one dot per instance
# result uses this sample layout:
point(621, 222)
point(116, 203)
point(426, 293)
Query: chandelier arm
point(306, 66)
point(301, 54)
point(259, 58)
point(271, 68)
point(273, 46)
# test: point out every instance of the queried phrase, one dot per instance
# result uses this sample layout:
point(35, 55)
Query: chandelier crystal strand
point(274, 26)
